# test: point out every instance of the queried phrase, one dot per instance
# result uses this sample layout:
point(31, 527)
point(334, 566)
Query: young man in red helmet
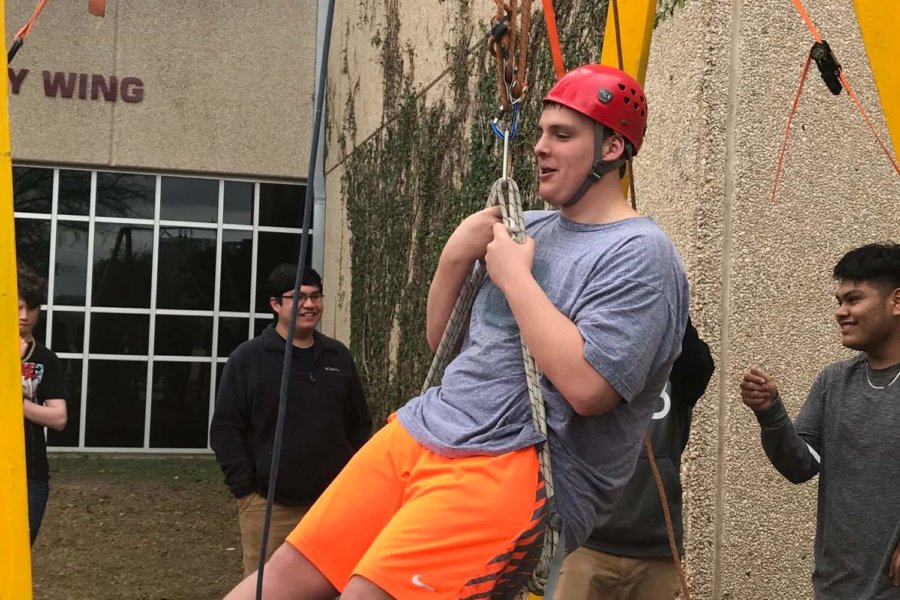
point(447, 501)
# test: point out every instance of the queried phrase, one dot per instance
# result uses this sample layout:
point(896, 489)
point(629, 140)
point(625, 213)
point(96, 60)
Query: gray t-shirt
point(623, 285)
point(849, 433)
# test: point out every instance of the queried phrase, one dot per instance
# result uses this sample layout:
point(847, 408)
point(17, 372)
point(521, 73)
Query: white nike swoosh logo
point(417, 581)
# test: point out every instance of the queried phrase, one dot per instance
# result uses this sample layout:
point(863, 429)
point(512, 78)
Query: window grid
point(88, 308)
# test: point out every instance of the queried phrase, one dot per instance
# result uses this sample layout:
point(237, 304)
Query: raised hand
point(758, 390)
point(469, 241)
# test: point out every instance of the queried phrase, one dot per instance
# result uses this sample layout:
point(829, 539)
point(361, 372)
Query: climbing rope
point(504, 44)
point(555, 51)
point(507, 42)
point(505, 193)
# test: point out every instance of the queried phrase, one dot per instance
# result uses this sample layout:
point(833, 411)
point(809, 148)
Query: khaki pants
point(591, 575)
point(251, 516)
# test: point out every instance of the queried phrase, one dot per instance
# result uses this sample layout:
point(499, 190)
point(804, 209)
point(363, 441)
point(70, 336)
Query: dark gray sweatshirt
point(848, 432)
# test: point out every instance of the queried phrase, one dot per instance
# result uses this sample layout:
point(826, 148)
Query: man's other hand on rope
point(508, 262)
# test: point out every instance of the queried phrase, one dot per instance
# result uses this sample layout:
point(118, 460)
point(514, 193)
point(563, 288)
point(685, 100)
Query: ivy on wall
point(431, 164)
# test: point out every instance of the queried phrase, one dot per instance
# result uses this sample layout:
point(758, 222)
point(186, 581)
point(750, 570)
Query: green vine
point(666, 8)
point(410, 184)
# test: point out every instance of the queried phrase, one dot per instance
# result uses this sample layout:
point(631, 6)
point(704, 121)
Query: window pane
point(71, 263)
point(187, 268)
point(237, 255)
point(219, 368)
point(74, 192)
point(238, 207)
point(72, 373)
point(119, 334)
point(183, 336)
point(274, 249)
point(126, 195)
point(232, 332)
point(188, 199)
point(261, 323)
point(123, 257)
point(179, 415)
point(281, 205)
point(68, 331)
point(32, 189)
point(115, 404)
point(33, 244)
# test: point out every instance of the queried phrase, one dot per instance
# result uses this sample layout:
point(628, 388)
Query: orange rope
point(787, 127)
point(803, 15)
point(553, 35)
point(865, 116)
point(798, 5)
point(521, 83)
point(668, 517)
point(26, 29)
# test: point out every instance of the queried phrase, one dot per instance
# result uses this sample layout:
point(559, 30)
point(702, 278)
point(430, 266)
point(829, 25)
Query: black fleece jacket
point(326, 422)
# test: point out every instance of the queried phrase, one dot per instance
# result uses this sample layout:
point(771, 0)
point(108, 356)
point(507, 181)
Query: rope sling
point(505, 193)
point(507, 42)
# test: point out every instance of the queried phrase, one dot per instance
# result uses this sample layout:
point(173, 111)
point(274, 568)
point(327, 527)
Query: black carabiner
point(829, 67)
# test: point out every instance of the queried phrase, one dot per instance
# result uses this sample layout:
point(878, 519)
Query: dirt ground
point(143, 528)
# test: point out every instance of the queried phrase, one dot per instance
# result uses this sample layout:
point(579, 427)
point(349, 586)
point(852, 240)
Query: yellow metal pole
point(878, 22)
point(636, 19)
point(15, 552)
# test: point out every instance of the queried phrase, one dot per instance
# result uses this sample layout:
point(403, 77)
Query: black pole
point(301, 265)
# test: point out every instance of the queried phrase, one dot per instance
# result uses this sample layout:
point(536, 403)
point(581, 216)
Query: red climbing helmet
point(606, 95)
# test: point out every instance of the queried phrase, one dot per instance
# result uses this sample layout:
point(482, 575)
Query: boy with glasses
point(326, 422)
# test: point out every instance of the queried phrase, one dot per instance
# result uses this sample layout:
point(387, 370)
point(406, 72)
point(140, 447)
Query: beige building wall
point(721, 80)
point(212, 75)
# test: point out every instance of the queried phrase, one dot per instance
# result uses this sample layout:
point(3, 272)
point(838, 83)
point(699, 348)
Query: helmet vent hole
point(642, 112)
point(622, 87)
point(633, 92)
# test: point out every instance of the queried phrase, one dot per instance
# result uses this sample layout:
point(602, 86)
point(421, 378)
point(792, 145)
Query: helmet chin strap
point(599, 168)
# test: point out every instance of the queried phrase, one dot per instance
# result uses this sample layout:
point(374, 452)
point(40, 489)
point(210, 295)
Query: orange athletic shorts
point(420, 525)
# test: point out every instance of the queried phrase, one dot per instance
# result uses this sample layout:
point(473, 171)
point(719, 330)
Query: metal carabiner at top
point(513, 128)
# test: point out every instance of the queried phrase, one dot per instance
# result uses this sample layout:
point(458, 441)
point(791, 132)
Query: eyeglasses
point(315, 297)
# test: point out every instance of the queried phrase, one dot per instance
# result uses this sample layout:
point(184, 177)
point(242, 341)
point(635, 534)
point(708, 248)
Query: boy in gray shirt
point(446, 501)
point(848, 433)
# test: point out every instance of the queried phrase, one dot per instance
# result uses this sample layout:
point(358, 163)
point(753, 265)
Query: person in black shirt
point(628, 556)
point(43, 395)
point(326, 422)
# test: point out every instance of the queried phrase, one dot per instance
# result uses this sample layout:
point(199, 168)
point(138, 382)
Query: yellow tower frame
point(15, 550)
point(636, 18)
point(878, 23)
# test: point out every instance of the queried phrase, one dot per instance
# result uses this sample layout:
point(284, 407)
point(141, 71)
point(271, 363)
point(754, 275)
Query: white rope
point(505, 193)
